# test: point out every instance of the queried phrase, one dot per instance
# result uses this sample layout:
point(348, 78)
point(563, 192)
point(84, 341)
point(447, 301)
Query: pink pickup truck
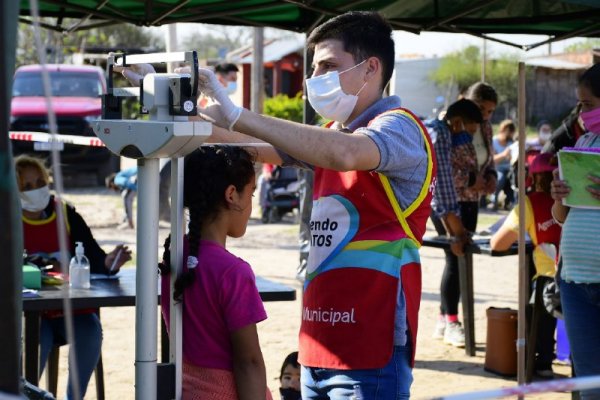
point(76, 101)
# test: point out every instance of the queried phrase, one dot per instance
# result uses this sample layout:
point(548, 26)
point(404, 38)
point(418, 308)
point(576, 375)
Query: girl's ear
point(230, 195)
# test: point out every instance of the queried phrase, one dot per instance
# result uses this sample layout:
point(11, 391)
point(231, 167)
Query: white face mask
point(231, 87)
point(35, 200)
point(326, 96)
point(545, 135)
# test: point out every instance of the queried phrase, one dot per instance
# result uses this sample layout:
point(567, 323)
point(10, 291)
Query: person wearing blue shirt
point(125, 181)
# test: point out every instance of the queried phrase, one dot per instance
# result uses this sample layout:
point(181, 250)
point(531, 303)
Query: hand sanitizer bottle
point(79, 269)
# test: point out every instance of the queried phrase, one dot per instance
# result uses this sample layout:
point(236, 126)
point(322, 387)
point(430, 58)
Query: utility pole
point(257, 83)
point(171, 44)
point(484, 60)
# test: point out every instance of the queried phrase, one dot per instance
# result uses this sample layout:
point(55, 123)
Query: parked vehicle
point(282, 194)
point(75, 99)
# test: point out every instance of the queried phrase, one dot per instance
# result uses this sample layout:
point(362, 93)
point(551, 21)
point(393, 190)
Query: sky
point(429, 44)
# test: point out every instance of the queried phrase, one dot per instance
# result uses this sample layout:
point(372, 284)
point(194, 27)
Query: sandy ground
point(272, 250)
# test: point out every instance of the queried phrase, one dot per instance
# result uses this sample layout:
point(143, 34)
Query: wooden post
point(523, 267)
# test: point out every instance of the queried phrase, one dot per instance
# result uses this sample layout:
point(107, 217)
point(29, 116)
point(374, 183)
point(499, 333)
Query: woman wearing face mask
point(40, 238)
point(544, 130)
point(579, 276)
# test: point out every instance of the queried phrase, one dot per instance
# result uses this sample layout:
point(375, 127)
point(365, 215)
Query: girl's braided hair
point(208, 172)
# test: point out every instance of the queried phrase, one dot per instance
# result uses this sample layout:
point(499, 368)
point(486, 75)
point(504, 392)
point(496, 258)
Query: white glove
point(135, 72)
point(222, 111)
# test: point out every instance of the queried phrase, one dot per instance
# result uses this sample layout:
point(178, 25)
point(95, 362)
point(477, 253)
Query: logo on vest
point(323, 238)
point(330, 316)
point(333, 223)
point(544, 226)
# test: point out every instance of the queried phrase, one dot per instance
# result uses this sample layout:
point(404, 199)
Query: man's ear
point(373, 67)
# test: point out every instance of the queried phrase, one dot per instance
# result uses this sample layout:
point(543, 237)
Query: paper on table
point(29, 293)
point(103, 276)
point(574, 167)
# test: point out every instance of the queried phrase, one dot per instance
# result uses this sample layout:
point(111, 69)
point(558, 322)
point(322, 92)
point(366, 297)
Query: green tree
point(209, 44)
point(587, 44)
point(58, 44)
point(282, 106)
point(464, 68)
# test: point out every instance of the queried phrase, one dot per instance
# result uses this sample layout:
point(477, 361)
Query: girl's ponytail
point(187, 278)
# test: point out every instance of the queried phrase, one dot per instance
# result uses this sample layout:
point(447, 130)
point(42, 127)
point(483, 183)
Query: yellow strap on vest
point(402, 215)
point(51, 218)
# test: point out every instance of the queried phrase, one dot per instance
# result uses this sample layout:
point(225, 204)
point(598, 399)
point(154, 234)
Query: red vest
point(41, 236)
point(546, 229)
point(362, 241)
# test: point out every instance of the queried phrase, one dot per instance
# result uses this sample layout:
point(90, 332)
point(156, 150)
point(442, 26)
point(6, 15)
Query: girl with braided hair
point(221, 304)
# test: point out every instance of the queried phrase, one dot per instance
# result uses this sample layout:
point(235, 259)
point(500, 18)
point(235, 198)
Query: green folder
point(574, 167)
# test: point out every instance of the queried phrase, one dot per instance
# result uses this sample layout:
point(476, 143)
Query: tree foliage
point(464, 68)
point(59, 45)
point(587, 44)
point(215, 44)
point(282, 106)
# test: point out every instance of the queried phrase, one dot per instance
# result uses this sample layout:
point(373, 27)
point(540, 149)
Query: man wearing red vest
point(374, 178)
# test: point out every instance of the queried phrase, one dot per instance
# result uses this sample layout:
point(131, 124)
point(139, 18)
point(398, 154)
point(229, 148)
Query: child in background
point(126, 182)
point(221, 304)
point(502, 159)
point(289, 379)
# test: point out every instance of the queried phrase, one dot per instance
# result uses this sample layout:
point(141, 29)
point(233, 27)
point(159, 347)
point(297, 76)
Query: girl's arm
point(248, 364)
point(503, 239)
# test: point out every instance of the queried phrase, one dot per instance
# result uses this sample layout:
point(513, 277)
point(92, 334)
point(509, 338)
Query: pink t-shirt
point(222, 299)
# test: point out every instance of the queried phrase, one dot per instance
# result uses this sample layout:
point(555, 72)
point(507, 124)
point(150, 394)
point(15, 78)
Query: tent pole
point(11, 234)
point(523, 267)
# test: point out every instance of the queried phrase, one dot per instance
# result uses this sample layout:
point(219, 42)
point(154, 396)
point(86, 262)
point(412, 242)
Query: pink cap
point(543, 162)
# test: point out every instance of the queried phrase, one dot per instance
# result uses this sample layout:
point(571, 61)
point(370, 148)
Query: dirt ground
point(272, 250)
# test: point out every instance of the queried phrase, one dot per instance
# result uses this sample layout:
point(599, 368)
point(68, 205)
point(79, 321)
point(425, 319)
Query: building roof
point(274, 50)
point(567, 61)
point(554, 63)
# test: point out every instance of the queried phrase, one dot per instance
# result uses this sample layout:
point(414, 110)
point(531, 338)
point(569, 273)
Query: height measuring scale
point(169, 100)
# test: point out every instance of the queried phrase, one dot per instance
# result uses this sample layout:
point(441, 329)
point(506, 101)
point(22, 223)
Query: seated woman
point(545, 235)
point(40, 238)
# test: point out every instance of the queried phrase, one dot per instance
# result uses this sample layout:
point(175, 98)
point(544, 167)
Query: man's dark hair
point(225, 68)
point(591, 79)
point(465, 109)
point(364, 34)
point(482, 91)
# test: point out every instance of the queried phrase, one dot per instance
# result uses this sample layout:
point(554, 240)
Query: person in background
point(289, 378)
point(227, 74)
point(262, 185)
point(567, 134)
point(486, 98)
point(125, 181)
point(579, 274)
point(502, 160)
point(545, 236)
point(544, 130)
point(40, 238)
point(456, 162)
point(221, 304)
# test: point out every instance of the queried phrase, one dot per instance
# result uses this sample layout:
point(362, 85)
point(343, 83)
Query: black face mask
point(289, 394)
